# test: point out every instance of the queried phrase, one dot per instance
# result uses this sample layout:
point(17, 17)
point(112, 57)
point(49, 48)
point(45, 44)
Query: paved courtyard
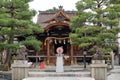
point(59, 78)
point(114, 73)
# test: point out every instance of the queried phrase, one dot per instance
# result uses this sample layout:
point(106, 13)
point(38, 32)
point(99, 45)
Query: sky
point(42, 5)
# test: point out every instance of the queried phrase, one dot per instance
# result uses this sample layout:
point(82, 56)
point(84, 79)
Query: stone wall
point(20, 69)
point(99, 70)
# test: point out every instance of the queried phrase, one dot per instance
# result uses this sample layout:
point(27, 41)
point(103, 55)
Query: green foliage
point(9, 31)
point(107, 57)
point(15, 20)
point(82, 45)
point(14, 47)
point(73, 35)
point(36, 29)
point(89, 26)
point(89, 30)
point(54, 9)
point(5, 67)
point(0, 58)
point(31, 41)
point(104, 36)
point(74, 39)
point(6, 45)
point(13, 58)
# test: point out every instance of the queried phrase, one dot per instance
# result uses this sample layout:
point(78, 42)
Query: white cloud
point(42, 5)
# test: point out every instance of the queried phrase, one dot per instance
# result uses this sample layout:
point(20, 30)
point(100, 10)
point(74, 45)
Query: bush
point(5, 67)
point(1, 67)
point(106, 57)
point(13, 58)
point(0, 59)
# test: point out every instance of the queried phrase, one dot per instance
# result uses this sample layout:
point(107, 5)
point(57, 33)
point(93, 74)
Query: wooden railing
point(43, 53)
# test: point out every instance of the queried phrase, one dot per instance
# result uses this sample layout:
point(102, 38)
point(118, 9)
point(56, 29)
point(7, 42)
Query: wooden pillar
point(36, 57)
point(71, 51)
point(75, 60)
point(48, 52)
point(52, 50)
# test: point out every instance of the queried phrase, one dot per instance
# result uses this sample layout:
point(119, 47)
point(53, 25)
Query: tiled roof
point(46, 15)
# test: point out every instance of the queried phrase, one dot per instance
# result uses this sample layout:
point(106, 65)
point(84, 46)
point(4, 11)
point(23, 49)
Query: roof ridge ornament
point(60, 7)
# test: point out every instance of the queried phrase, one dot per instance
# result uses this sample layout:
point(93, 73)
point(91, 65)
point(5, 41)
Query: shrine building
point(57, 27)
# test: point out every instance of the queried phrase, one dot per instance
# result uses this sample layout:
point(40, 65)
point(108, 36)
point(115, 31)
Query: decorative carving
point(98, 54)
point(21, 53)
point(60, 18)
point(60, 7)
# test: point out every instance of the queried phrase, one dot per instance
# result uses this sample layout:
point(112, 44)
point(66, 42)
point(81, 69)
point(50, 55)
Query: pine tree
point(16, 20)
point(96, 24)
point(54, 9)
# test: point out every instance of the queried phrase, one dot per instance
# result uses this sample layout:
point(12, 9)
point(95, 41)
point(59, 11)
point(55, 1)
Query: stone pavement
point(69, 71)
point(114, 74)
point(5, 75)
point(54, 74)
point(59, 78)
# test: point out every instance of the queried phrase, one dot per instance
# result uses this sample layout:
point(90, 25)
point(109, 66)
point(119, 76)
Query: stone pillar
point(112, 60)
point(20, 69)
point(59, 63)
point(99, 70)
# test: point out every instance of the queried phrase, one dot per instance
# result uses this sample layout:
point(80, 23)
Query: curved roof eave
point(56, 24)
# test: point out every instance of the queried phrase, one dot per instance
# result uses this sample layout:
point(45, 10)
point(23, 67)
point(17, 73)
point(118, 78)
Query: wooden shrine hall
point(56, 34)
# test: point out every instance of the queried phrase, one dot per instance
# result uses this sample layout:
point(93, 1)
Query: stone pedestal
point(59, 63)
point(112, 60)
point(20, 69)
point(99, 70)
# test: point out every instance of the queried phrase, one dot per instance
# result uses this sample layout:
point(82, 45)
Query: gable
point(58, 17)
point(46, 18)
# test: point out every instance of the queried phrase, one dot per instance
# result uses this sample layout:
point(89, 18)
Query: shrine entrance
point(64, 45)
point(54, 43)
point(56, 27)
point(56, 34)
point(66, 50)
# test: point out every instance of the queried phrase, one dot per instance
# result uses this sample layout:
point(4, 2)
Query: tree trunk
point(9, 52)
point(8, 58)
point(3, 56)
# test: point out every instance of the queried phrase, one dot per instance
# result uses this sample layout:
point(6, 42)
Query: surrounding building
point(56, 26)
